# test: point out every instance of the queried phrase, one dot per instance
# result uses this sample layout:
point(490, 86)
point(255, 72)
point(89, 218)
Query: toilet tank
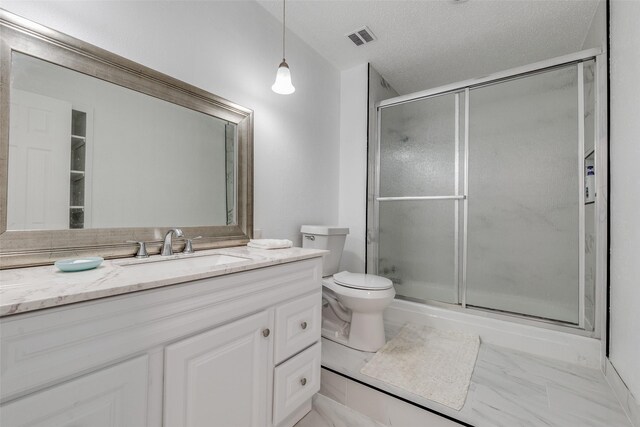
point(328, 238)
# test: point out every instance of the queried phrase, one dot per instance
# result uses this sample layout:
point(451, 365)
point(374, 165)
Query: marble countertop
point(35, 288)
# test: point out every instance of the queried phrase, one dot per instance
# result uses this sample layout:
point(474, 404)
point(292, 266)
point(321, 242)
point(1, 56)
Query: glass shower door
point(418, 197)
point(485, 196)
point(524, 196)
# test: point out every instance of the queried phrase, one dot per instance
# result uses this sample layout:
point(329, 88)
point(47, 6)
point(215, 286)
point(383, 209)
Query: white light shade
point(283, 85)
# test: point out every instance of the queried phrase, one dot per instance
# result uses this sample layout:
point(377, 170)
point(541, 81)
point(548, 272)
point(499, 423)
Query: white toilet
point(352, 302)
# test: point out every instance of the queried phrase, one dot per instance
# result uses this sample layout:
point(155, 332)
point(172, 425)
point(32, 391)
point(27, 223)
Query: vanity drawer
point(298, 325)
point(295, 381)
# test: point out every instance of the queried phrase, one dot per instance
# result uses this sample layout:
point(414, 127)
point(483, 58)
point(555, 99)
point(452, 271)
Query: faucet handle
point(188, 247)
point(142, 249)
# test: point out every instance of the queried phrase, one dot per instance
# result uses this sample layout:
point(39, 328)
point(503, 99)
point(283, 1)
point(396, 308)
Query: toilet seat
point(368, 282)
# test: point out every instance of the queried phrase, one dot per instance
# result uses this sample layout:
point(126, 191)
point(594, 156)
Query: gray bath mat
point(431, 363)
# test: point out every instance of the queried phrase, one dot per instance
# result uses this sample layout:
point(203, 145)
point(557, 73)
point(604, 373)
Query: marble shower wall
point(590, 208)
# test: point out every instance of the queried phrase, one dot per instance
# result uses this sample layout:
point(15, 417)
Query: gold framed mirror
point(97, 150)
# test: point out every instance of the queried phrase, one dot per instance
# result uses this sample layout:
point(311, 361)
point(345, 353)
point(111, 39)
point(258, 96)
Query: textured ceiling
point(428, 43)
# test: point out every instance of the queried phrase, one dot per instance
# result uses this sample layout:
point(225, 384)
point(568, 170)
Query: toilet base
point(334, 328)
point(365, 334)
point(335, 336)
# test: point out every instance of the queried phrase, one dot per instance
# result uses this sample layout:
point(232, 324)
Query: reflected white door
point(39, 161)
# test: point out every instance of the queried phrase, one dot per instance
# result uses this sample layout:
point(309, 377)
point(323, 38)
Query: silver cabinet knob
point(266, 332)
point(303, 325)
point(303, 381)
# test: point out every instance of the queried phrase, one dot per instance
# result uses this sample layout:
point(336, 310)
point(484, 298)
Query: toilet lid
point(362, 281)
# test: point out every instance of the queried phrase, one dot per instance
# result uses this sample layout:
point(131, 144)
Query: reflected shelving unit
point(78, 169)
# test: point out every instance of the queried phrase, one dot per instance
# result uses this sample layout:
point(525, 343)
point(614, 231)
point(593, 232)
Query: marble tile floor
point(329, 413)
point(508, 388)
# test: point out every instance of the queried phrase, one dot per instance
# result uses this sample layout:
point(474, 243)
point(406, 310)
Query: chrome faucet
point(168, 241)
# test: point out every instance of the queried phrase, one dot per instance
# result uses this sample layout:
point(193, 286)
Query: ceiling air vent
point(361, 36)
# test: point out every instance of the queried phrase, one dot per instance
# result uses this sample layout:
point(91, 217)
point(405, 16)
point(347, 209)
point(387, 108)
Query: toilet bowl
point(352, 309)
point(353, 303)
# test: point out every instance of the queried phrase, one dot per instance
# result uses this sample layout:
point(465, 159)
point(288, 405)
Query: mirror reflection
point(86, 153)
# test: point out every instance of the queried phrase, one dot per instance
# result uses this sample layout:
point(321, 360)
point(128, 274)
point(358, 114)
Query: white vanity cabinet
point(219, 375)
point(236, 350)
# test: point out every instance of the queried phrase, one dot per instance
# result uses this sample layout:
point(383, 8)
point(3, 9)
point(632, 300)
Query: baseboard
point(534, 340)
point(296, 415)
point(627, 401)
point(380, 405)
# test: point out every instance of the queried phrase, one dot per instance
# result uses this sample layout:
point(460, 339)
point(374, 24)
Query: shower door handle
point(393, 199)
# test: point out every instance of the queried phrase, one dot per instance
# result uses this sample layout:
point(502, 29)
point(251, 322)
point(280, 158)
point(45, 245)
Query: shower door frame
point(601, 209)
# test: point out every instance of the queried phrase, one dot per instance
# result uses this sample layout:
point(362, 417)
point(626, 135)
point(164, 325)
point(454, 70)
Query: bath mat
point(431, 363)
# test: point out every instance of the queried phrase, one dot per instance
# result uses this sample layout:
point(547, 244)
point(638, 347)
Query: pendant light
point(283, 85)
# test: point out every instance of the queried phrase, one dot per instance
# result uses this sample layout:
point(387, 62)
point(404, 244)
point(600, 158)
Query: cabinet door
point(220, 377)
point(115, 396)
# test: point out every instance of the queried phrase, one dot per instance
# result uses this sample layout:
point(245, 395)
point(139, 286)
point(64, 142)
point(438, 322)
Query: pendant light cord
point(284, 17)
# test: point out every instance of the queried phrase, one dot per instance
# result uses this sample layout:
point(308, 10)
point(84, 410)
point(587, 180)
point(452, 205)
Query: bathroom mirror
point(98, 150)
point(86, 153)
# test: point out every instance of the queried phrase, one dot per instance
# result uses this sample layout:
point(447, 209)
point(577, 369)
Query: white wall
point(232, 49)
point(625, 192)
point(353, 165)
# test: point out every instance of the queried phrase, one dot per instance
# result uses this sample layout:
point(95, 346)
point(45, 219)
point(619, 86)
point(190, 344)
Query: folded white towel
point(270, 243)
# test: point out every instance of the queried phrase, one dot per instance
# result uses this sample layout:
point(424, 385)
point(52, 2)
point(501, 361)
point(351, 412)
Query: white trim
point(630, 406)
point(375, 247)
point(526, 69)
point(456, 205)
point(385, 404)
point(465, 205)
point(581, 212)
point(535, 340)
point(602, 201)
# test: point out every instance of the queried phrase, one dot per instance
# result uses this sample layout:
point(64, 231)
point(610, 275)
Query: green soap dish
point(79, 264)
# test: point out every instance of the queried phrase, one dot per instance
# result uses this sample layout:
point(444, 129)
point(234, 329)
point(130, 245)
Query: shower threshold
point(519, 318)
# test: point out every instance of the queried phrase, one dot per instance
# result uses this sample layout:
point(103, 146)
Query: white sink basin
point(187, 263)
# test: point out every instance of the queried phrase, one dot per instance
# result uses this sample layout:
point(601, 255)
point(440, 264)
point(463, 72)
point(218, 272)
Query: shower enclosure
point(482, 193)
